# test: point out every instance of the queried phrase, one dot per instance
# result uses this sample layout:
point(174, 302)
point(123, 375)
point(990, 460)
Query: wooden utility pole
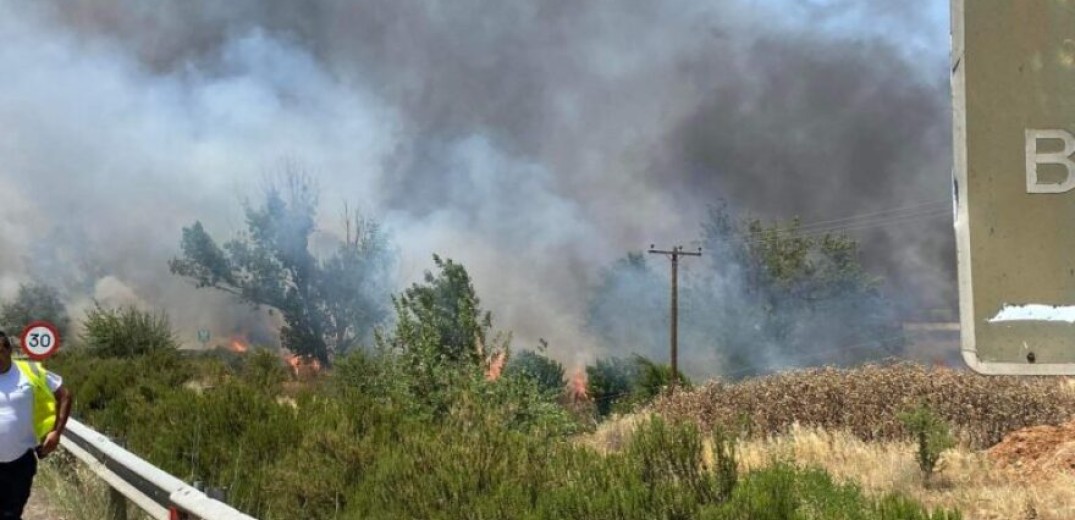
point(674, 255)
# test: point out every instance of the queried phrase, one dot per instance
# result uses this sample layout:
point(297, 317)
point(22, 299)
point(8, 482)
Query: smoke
point(534, 142)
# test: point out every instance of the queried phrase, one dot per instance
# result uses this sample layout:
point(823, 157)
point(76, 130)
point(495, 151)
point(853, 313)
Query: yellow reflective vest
point(44, 400)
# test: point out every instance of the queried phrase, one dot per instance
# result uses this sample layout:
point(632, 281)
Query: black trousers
point(16, 477)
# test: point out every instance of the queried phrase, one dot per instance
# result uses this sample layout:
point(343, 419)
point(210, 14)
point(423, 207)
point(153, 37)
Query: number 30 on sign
point(40, 340)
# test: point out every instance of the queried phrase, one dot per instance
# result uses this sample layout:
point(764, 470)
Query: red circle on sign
point(39, 354)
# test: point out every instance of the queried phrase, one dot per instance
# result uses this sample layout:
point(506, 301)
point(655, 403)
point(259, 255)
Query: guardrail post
point(117, 505)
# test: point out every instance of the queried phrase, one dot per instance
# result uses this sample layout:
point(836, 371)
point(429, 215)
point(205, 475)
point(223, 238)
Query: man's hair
point(4, 341)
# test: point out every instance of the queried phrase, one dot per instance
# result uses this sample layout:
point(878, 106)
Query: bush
point(547, 373)
point(932, 436)
point(622, 385)
point(785, 492)
point(127, 332)
point(363, 445)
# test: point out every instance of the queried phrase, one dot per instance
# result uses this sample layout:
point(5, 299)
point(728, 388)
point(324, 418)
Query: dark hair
point(4, 341)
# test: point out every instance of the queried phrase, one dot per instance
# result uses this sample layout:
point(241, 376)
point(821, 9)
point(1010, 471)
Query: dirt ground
point(1038, 452)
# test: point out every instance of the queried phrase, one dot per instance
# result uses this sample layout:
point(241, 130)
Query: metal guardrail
point(159, 494)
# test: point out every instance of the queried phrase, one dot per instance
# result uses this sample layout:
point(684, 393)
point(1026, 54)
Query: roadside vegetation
point(416, 427)
point(417, 406)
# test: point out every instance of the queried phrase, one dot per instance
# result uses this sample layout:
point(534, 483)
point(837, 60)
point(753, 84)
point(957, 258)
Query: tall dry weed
point(867, 401)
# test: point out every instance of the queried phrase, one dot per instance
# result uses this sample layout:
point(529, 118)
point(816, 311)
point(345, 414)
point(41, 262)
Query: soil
point(1037, 451)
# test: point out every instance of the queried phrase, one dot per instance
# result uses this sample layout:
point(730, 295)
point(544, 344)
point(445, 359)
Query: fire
point(238, 345)
point(302, 366)
point(496, 366)
point(576, 387)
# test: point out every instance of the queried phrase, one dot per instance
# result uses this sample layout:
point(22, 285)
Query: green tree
point(328, 305)
point(443, 315)
point(34, 301)
point(442, 340)
point(805, 294)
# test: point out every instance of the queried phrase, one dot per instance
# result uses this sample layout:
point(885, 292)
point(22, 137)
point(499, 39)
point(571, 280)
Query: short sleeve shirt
point(17, 412)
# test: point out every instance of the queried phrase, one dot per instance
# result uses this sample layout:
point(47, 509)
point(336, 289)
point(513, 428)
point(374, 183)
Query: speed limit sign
point(40, 340)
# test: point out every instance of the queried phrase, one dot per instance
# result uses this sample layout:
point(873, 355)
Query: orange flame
point(238, 345)
point(302, 366)
point(576, 387)
point(496, 366)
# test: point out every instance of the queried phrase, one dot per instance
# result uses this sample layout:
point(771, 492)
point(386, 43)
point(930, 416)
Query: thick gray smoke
point(533, 141)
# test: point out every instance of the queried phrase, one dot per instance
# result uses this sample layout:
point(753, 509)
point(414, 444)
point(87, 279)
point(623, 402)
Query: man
point(19, 446)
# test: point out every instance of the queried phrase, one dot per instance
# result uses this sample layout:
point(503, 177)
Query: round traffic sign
point(40, 340)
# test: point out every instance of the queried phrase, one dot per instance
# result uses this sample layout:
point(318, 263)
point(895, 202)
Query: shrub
point(127, 332)
point(932, 436)
point(608, 381)
point(785, 492)
point(546, 372)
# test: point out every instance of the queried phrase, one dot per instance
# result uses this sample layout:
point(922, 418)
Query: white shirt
point(17, 412)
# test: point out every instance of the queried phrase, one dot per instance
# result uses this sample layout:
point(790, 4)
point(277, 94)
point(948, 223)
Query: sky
point(533, 141)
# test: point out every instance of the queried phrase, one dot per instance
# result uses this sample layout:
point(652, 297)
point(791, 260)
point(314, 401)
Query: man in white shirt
point(19, 447)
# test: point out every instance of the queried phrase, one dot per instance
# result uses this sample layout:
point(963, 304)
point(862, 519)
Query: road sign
point(1013, 84)
point(40, 340)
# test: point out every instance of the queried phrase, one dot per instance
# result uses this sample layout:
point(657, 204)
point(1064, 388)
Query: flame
point(576, 387)
point(496, 366)
point(302, 366)
point(238, 345)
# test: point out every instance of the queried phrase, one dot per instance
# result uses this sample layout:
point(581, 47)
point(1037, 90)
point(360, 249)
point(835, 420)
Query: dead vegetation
point(867, 401)
point(1015, 459)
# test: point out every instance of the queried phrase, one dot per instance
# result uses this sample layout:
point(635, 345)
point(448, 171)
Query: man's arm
point(63, 410)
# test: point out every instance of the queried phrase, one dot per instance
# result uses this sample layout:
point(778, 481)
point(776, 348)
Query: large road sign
point(1013, 83)
point(40, 340)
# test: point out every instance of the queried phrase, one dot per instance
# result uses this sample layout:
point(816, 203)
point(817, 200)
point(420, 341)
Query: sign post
point(40, 340)
point(1013, 85)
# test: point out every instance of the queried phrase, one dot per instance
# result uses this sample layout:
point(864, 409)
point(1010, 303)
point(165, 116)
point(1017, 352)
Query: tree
point(803, 297)
point(443, 316)
point(442, 338)
point(766, 296)
point(328, 305)
point(34, 301)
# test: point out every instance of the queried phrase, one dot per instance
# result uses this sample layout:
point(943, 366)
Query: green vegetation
point(764, 296)
point(932, 435)
point(416, 428)
point(547, 373)
point(622, 385)
point(34, 301)
point(127, 332)
point(329, 305)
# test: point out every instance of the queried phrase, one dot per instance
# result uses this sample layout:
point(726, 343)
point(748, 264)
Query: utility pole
point(674, 255)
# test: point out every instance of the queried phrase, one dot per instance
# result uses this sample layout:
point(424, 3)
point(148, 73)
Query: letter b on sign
point(1062, 158)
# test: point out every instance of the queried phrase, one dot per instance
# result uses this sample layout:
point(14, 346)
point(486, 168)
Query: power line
point(757, 237)
point(913, 208)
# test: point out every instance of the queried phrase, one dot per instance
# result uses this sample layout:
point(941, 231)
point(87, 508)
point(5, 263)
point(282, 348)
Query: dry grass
point(967, 479)
point(866, 402)
point(73, 492)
